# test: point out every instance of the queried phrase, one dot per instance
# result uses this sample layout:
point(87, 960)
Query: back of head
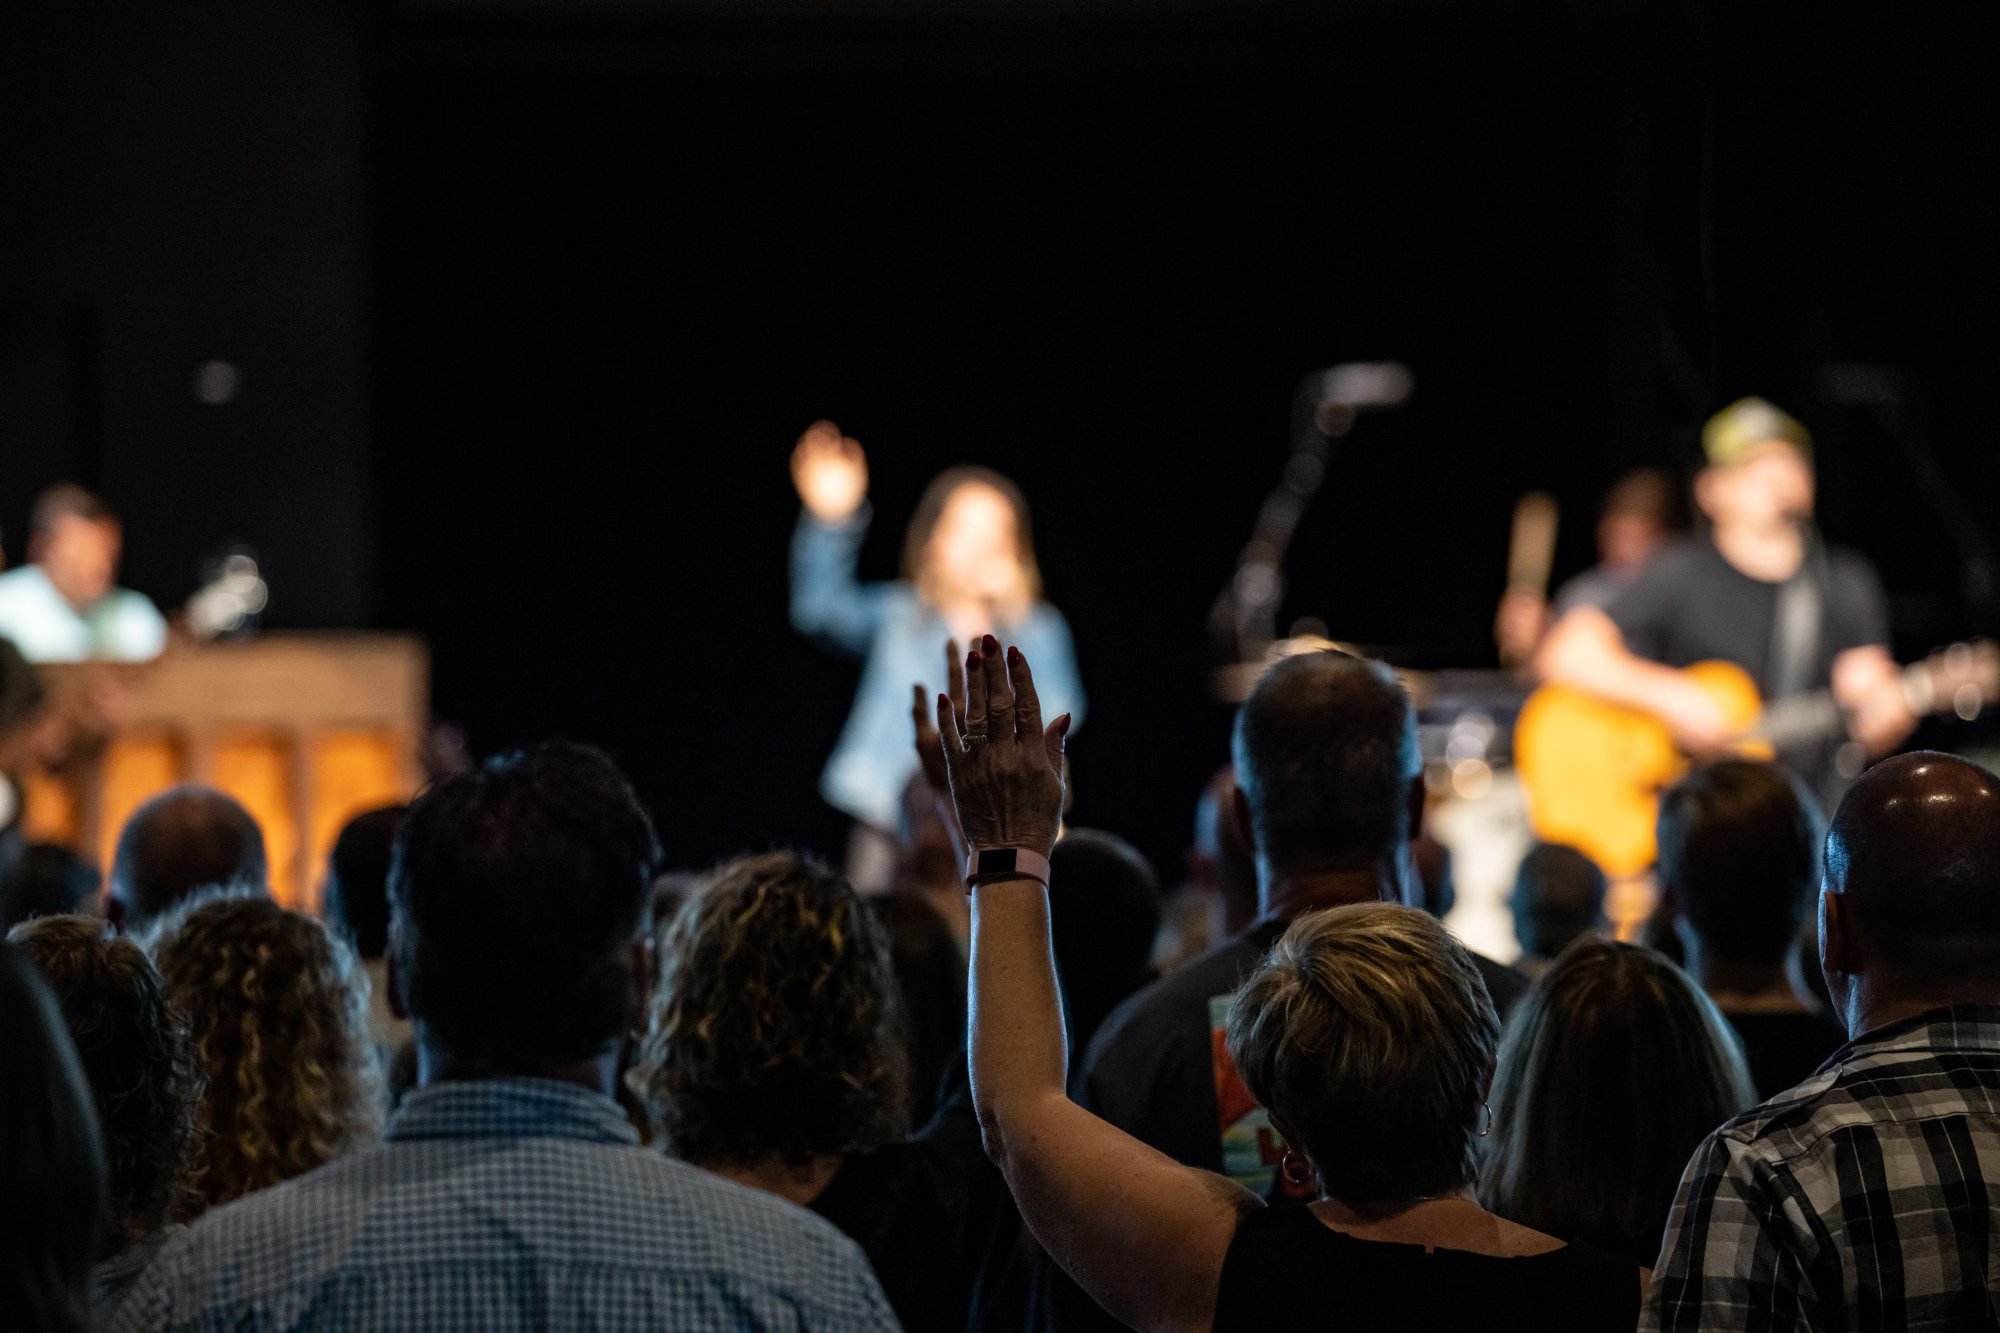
point(51, 1161)
point(44, 880)
point(775, 1030)
point(1611, 1038)
point(1739, 853)
point(357, 878)
point(1104, 914)
point(278, 1009)
point(185, 839)
point(1558, 897)
point(138, 1057)
point(930, 985)
point(1219, 859)
point(1914, 854)
point(516, 896)
point(1326, 752)
point(1367, 1033)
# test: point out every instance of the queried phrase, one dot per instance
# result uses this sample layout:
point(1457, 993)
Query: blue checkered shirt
point(502, 1205)
point(1867, 1197)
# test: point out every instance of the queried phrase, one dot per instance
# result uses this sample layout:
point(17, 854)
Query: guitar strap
point(1799, 616)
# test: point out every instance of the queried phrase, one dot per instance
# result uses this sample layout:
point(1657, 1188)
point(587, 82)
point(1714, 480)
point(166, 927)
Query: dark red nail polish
point(990, 644)
point(1013, 653)
point(972, 660)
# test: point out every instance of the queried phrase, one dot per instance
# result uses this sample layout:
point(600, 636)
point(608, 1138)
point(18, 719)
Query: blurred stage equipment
point(1325, 406)
point(305, 730)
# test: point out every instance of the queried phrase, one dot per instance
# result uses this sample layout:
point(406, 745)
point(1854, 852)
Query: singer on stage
point(1757, 589)
point(968, 569)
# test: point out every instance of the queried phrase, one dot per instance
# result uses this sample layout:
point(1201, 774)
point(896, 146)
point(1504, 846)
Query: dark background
point(529, 302)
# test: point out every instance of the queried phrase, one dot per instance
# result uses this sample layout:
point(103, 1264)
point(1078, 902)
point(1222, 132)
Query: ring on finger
point(973, 738)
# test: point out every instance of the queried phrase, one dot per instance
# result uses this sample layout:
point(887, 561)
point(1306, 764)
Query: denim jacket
point(901, 642)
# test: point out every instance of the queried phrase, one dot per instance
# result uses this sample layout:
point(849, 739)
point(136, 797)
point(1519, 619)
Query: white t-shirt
point(122, 627)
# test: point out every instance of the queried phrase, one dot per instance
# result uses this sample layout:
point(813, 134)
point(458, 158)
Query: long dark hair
point(1612, 1038)
point(52, 1171)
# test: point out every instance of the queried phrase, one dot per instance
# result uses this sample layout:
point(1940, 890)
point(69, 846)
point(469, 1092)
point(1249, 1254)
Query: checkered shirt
point(508, 1204)
point(1867, 1197)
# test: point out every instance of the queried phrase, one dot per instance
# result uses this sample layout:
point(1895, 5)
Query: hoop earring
point(1297, 1171)
point(1489, 1120)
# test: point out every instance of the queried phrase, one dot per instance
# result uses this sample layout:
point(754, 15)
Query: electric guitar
point(1593, 771)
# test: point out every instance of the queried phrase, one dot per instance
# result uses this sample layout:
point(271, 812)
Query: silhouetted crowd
point(516, 1076)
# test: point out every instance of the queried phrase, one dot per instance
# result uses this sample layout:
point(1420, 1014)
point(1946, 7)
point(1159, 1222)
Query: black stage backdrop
point(531, 299)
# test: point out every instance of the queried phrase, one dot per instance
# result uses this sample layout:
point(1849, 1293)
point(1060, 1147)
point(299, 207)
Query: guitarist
point(1757, 589)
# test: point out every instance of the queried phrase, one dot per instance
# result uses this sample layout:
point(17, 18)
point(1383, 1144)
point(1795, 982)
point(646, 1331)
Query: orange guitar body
point(1593, 771)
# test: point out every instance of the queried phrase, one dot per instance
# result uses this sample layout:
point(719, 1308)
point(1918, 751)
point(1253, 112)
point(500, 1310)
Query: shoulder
point(1851, 571)
point(1163, 1012)
point(23, 582)
point(1680, 557)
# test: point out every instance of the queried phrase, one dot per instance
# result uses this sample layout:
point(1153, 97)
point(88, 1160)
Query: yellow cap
point(1731, 434)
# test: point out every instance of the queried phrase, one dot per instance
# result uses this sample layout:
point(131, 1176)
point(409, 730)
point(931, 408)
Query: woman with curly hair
point(777, 1060)
point(279, 1012)
point(138, 1058)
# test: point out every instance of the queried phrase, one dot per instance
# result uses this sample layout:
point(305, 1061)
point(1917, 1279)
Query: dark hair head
point(185, 839)
point(52, 1174)
point(1104, 919)
point(1650, 494)
point(67, 500)
point(1915, 857)
point(930, 985)
point(1611, 1038)
point(930, 508)
point(139, 1059)
point(1367, 1033)
point(1558, 897)
point(44, 880)
point(357, 878)
point(278, 1009)
point(1326, 752)
point(1739, 854)
point(517, 893)
point(775, 1030)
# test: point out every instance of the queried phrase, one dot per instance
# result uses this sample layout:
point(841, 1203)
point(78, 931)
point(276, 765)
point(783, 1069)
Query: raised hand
point(830, 472)
point(1005, 768)
point(930, 745)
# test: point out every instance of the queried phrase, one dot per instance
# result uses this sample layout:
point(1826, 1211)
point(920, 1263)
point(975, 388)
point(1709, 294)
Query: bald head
point(184, 839)
point(1913, 860)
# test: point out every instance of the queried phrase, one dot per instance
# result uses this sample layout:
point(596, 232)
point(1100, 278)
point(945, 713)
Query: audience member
point(930, 983)
point(65, 604)
point(778, 1063)
point(1219, 898)
point(185, 839)
point(1739, 857)
point(1329, 790)
point(355, 898)
point(278, 1010)
point(930, 865)
point(138, 1058)
point(42, 879)
point(52, 1172)
point(1104, 915)
point(1861, 1197)
point(1612, 1071)
point(511, 1192)
point(1558, 898)
point(1367, 1034)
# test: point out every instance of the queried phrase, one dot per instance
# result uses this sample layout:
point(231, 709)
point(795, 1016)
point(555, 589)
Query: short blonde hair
point(1368, 1035)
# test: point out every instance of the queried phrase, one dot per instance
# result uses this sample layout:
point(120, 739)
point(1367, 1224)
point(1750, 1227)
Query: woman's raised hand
point(1005, 768)
point(830, 472)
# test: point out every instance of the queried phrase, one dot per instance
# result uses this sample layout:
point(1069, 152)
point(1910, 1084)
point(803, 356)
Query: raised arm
point(1144, 1235)
point(828, 602)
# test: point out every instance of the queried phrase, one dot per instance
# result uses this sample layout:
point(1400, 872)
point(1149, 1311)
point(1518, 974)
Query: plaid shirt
point(1868, 1197)
point(501, 1205)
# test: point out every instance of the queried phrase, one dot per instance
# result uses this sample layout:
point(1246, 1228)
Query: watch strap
point(991, 863)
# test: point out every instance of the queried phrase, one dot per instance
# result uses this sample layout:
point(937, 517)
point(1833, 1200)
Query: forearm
point(1585, 651)
point(1017, 1044)
point(827, 600)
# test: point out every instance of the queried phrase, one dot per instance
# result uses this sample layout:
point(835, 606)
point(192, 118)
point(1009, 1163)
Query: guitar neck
point(1803, 719)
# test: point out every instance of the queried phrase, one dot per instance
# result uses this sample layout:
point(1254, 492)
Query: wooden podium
point(306, 730)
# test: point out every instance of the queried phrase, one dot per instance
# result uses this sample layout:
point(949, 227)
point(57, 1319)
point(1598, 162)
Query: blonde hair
point(1367, 1033)
point(279, 1012)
